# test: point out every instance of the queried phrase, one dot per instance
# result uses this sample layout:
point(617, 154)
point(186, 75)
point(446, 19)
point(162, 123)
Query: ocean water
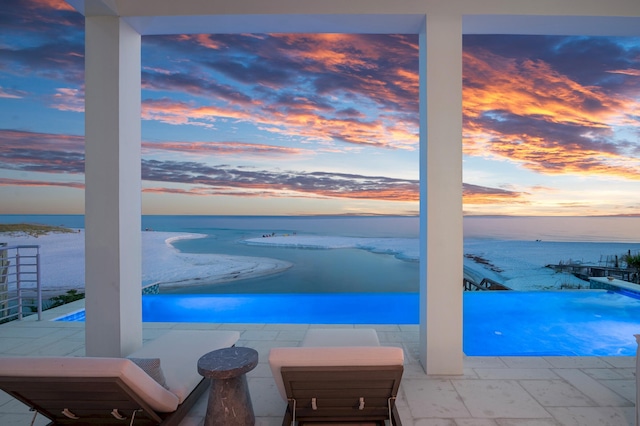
point(546, 228)
point(314, 270)
point(518, 246)
point(618, 229)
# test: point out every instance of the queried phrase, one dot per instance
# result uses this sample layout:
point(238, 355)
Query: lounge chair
point(324, 381)
point(117, 391)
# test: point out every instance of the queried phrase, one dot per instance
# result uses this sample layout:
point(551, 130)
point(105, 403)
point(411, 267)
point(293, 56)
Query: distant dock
point(586, 272)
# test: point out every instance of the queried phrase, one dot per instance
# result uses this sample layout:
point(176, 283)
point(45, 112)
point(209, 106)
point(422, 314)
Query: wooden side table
point(229, 399)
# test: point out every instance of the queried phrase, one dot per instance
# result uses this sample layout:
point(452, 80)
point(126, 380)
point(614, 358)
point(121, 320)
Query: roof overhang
point(548, 17)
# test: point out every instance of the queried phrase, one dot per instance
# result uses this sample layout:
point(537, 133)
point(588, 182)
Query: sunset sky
point(297, 124)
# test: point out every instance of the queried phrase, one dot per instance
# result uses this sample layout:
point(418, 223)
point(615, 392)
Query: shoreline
point(62, 262)
point(237, 268)
point(518, 264)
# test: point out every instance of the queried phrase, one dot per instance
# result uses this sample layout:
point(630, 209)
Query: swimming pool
point(507, 323)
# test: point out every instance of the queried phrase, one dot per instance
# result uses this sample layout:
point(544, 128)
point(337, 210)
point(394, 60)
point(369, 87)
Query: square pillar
point(441, 243)
point(113, 269)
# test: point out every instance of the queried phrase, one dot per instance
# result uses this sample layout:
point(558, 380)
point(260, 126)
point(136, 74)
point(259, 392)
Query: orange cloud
point(39, 183)
point(50, 4)
point(35, 141)
point(351, 65)
point(526, 112)
point(532, 88)
point(233, 192)
point(631, 72)
point(481, 195)
point(223, 148)
point(268, 190)
point(304, 121)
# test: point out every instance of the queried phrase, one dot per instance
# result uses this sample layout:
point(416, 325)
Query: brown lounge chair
point(336, 383)
point(116, 391)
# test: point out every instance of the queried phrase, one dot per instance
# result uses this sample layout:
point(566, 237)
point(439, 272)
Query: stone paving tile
point(292, 336)
point(475, 422)
point(498, 399)
point(527, 422)
point(525, 362)
point(269, 335)
point(624, 388)
point(23, 419)
point(287, 327)
point(556, 393)
point(434, 422)
point(193, 326)
point(593, 416)
point(433, 398)
point(515, 373)
point(622, 361)
point(577, 362)
point(484, 362)
point(599, 393)
point(609, 373)
point(265, 398)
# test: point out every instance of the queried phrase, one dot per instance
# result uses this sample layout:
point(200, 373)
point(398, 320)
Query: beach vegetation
point(30, 305)
point(569, 286)
point(32, 229)
point(632, 260)
point(55, 301)
point(62, 299)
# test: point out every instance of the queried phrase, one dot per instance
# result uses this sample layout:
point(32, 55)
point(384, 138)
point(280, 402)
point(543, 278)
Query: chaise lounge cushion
point(321, 337)
point(345, 356)
point(179, 351)
point(158, 398)
point(152, 367)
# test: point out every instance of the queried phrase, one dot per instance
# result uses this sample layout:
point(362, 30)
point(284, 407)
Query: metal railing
point(20, 290)
point(485, 284)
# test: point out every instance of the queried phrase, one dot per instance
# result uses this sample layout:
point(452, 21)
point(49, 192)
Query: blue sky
point(324, 123)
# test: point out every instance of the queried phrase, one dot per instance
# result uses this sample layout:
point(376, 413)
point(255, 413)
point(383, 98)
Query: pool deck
point(494, 391)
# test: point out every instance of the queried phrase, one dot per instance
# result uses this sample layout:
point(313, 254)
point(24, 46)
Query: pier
point(624, 268)
point(586, 272)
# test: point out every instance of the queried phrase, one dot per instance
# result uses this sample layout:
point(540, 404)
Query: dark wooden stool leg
point(230, 403)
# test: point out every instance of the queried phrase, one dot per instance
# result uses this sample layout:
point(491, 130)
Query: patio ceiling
point(544, 17)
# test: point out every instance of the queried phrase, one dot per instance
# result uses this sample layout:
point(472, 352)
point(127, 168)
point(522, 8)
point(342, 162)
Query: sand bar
point(62, 262)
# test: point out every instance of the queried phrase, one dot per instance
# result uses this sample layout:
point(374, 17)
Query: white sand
point(62, 262)
point(523, 262)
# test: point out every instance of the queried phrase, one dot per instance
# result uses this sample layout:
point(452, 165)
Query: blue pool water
point(509, 323)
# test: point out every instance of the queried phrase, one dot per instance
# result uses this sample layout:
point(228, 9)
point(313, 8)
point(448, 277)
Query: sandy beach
point(62, 262)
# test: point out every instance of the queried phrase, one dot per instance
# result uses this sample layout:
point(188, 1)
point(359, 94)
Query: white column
point(113, 185)
point(441, 195)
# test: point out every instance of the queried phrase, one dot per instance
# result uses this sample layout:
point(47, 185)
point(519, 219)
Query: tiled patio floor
point(504, 391)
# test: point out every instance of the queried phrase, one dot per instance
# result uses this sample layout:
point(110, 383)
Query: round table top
point(227, 363)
